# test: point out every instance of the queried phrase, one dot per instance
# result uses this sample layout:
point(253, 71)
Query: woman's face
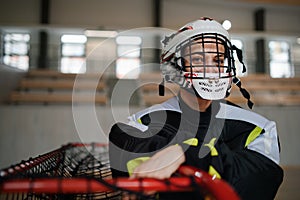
point(205, 57)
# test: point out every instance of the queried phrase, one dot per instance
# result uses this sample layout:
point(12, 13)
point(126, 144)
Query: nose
point(207, 68)
point(211, 69)
point(211, 66)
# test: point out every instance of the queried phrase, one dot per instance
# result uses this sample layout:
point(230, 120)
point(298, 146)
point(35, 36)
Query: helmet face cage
point(203, 64)
point(205, 56)
point(199, 58)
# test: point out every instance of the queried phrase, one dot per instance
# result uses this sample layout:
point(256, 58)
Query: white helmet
point(199, 57)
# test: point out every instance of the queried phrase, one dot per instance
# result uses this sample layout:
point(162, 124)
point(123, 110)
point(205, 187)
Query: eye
point(219, 59)
point(197, 59)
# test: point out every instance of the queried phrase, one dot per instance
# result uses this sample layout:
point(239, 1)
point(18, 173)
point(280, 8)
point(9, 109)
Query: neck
point(195, 103)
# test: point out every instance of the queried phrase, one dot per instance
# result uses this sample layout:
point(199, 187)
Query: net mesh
point(69, 161)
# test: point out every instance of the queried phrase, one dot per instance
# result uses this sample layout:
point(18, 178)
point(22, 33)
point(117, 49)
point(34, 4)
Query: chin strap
point(244, 92)
point(161, 88)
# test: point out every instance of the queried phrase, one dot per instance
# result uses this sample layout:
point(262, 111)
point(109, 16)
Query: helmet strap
point(244, 92)
point(161, 88)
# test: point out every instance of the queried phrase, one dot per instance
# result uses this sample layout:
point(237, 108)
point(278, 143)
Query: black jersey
point(226, 141)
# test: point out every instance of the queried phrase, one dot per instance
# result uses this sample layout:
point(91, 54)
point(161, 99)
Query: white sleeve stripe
point(233, 112)
point(267, 143)
point(171, 104)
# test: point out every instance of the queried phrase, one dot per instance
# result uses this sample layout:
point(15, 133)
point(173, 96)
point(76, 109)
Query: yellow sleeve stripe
point(213, 172)
point(132, 164)
point(191, 142)
point(139, 121)
point(253, 135)
point(211, 146)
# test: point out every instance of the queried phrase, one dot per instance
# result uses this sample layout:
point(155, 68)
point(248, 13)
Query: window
point(129, 54)
point(73, 54)
point(16, 50)
point(238, 65)
point(280, 61)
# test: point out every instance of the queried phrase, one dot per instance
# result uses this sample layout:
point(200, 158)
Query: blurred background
point(69, 69)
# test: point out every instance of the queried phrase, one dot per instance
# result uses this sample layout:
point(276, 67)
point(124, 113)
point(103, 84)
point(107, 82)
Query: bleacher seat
point(49, 87)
